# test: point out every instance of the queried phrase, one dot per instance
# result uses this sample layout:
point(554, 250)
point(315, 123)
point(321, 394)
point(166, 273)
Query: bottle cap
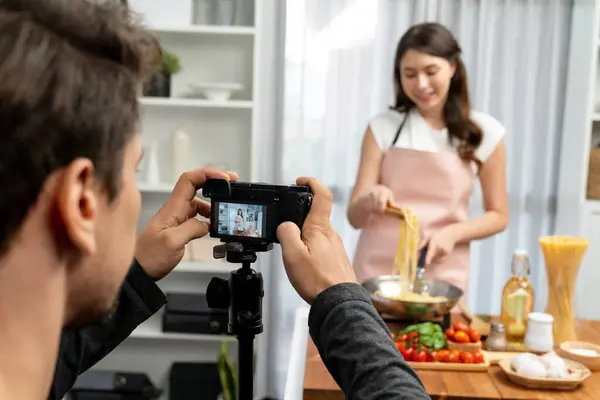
point(520, 263)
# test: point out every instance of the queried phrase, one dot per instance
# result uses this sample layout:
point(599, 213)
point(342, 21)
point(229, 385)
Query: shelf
point(205, 30)
point(143, 332)
point(205, 267)
point(155, 187)
point(200, 103)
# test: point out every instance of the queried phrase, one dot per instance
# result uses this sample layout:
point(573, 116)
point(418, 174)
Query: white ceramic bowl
point(570, 351)
point(217, 91)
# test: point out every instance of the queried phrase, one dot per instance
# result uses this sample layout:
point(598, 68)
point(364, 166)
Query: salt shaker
point(496, 341)
point(539, 338)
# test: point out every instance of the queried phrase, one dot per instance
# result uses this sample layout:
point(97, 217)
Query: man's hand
point(316, 259)
point(161, 243)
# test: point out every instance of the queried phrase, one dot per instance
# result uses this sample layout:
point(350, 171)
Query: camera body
point(251, 212)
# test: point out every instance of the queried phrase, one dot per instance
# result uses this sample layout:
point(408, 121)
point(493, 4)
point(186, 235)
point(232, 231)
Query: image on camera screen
point(247, 220)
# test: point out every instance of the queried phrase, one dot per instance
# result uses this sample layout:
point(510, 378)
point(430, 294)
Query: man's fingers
point(189, 182)
point(320, 210)
point(199, 207)
point(187, 186)
point(190, 230)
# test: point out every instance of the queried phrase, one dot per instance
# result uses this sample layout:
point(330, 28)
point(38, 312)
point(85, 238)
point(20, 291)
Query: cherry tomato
point(408, 354)
point(442, 355)
point(474, 336)
point(453, 357)
point(466, 358)
point(420, 356)
point(403, 337)
point(460, 326)
point(413, 336)
point(401, 346)
point(450, 334)
point(477, 358)
point(432, 356)
point(461, 337)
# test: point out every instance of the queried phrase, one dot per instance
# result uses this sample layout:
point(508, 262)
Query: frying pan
point(411, 310)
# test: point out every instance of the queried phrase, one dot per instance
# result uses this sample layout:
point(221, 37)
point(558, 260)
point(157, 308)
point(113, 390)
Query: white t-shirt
point(417, 134)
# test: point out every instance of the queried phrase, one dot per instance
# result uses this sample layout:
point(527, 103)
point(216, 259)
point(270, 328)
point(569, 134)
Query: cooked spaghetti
point(406, 263)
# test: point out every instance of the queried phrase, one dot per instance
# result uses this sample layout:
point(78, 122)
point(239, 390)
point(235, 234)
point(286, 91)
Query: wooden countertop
point(319, 385)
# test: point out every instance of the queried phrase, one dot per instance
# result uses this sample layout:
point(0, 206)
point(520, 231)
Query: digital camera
point(251, 212)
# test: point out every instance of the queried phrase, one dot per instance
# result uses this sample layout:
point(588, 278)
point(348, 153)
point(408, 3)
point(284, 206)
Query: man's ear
point(78, 204)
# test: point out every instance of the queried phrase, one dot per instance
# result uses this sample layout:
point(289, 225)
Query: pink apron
point(437, 186)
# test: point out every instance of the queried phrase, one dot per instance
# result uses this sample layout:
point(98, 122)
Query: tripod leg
point(245, 367)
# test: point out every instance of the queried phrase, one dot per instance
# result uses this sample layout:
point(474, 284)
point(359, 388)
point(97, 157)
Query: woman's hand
point(440, 244)
point(376, 199)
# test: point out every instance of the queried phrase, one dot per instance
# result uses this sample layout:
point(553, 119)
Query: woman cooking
point(425, 153)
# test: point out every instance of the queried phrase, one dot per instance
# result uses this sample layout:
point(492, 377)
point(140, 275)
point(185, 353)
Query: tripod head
point(240, 252)
point(243, 292)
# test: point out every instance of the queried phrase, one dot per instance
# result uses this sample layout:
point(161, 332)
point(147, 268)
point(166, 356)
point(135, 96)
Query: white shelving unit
point(577, 215)
point(194, 103)
point(224, 135)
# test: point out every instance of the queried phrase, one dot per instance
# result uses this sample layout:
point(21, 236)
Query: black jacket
point(81, 348)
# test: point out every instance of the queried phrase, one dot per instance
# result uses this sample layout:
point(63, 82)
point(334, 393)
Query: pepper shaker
point(496, 341)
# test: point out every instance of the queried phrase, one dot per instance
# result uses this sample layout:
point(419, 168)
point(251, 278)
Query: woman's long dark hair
point(436, 40)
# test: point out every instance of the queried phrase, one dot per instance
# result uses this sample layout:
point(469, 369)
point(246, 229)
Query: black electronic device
point(251, 212)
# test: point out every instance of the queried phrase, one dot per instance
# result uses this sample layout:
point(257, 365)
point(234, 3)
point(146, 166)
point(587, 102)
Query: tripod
point(242, 294)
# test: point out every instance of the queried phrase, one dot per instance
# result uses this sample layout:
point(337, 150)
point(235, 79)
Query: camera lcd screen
point(235, 219)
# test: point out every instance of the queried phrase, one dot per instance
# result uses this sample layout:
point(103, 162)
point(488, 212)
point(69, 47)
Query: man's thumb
point(288, 234)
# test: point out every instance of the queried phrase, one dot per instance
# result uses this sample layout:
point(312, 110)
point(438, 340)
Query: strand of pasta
point(406, 254)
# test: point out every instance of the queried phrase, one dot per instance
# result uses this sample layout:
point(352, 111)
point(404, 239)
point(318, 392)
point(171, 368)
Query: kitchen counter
point(443, 385)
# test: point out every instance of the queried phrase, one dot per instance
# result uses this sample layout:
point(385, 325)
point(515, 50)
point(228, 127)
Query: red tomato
point(408, 354)
point(466, 358)
point(442, 355)
point(460, 326)
point(413, 336)
point(403, 337)
point(401, 346)
point(453, 357)
point(432, 356)
point(461, 337)
point(420, 356)
point(477, 358)
point(450, 334)
point(474, 336)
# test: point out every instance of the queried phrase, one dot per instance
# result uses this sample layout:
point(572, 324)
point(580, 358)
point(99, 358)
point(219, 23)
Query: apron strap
point(399, 129)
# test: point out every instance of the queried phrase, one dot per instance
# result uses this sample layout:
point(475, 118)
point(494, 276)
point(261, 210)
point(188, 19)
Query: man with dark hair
point(70, 71)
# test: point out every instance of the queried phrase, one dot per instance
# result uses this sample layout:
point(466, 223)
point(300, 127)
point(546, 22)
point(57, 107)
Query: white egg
point(551, 360)
point(532, 369)
point(557, 372)
point(519, 359)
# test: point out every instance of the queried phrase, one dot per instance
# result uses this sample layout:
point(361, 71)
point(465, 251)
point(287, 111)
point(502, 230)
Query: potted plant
point(227, 374)
point(159, 84)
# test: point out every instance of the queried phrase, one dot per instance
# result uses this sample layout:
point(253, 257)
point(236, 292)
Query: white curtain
point(338, 74)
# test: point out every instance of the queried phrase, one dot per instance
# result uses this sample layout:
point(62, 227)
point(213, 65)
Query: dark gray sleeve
point(357, 348)
point(81, 348)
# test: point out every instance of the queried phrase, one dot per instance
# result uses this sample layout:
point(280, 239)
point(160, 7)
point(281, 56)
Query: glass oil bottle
point(517, 302)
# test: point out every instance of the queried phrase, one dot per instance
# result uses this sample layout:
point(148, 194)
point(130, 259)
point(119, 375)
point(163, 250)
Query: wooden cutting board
point(489, 357)
point(496, 356)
